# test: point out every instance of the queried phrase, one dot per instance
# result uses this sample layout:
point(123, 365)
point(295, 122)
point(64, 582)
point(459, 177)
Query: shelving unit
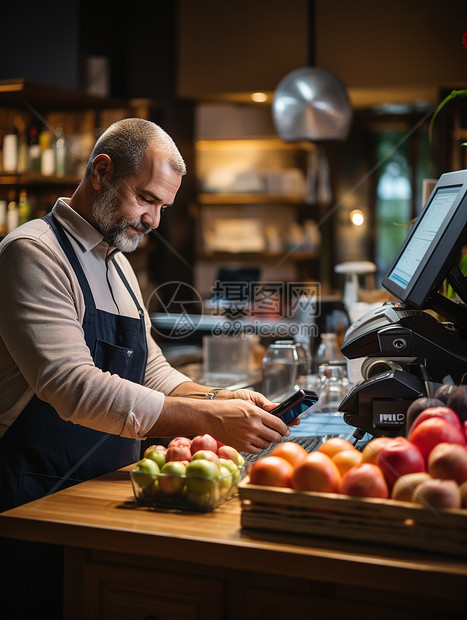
point(82, 118)
point(251, 208)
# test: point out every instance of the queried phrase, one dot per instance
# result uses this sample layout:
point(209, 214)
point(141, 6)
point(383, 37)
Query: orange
point(271, 471)
point(346, 459)
point(334, 445)
point(290, 451)
point(316, 472)
point(370, 451)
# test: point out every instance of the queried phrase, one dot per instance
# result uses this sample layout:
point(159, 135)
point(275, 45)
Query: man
point(81, 379)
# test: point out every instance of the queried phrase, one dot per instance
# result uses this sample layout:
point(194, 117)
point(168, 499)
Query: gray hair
point(126, 143)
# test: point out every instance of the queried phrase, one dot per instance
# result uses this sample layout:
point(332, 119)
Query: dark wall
point(39, 41)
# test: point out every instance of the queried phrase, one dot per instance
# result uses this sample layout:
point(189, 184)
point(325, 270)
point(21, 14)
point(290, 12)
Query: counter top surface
point(102, 514)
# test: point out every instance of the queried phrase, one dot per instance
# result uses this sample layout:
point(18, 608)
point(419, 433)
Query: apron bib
point(42, 453)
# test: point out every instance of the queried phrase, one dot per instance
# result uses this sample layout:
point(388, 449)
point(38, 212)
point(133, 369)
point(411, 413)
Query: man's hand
point(234, 421)
point(260, 401)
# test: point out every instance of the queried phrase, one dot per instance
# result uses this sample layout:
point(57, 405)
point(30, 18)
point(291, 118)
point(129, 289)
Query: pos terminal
point(407, 350)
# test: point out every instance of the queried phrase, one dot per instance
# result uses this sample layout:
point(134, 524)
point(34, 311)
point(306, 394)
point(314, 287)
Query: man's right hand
point(236, 422)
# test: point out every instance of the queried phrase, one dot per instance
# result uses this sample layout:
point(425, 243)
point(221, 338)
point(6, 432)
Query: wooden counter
point(125, 561)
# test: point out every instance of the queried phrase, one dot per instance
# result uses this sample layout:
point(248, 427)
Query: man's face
point(126, 213)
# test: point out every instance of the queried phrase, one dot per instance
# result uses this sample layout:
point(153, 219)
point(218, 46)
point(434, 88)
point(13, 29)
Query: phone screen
point(295, 405)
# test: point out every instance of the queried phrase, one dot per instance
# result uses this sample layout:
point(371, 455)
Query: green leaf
point(452, 95)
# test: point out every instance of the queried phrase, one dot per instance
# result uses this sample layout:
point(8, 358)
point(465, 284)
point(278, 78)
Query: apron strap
point(71, 255)
point(126, 283)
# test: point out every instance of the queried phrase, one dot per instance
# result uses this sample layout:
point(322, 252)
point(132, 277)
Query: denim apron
point(42, 453)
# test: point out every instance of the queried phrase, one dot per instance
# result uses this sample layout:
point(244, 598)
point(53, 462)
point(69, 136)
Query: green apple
point(234, 470)
point(172, 478)
point(144, 473)
point(202, 485)
point(225, 481)
point(158, 456)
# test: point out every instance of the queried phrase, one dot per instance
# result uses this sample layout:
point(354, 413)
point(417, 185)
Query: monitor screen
point(433, 243)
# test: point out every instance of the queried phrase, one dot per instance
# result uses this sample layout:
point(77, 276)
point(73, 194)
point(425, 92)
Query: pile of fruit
point(189, 473)
point(427, 466)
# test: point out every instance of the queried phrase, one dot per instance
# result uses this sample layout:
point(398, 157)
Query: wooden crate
point(368, 520)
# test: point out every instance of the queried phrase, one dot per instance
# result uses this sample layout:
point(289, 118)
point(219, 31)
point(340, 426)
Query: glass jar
point(328, 350)
point(333, 385)
point(280, 368)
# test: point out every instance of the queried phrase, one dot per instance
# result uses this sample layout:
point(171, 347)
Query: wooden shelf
point(31, 179)
point(232, 199)
point(19, 92)
point(251, 142)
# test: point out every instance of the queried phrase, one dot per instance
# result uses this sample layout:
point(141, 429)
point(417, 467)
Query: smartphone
point(295, 405)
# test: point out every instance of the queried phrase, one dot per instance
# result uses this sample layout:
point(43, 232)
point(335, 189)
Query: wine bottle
point(34, 151)
point(24, 207)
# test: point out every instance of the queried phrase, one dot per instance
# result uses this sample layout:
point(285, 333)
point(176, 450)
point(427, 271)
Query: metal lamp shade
point(311, 104)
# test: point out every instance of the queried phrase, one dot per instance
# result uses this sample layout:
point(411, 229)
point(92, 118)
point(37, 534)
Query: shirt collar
point(80, 229)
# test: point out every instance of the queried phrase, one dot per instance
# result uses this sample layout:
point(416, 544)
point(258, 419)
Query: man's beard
point(114, 228)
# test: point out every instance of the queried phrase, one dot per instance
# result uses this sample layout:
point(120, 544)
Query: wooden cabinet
point(119, 590)
point(116, 586)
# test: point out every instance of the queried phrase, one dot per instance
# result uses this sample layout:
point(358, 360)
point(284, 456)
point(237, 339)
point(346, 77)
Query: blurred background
point(207, 71)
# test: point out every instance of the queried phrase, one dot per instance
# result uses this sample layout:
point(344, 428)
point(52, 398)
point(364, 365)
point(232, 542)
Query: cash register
point(412, 345)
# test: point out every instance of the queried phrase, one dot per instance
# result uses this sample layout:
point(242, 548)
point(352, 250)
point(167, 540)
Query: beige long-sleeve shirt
point(42, 345)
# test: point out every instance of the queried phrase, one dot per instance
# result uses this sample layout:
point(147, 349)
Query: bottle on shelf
point(12, 215)
point(34, 151)
point(24, 207)
point(10, 151)
point(60, 153)
point(23, 153)
point(47, 153)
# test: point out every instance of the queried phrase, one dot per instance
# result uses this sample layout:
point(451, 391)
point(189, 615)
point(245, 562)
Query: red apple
point(437, 412)
point(227, 452)
point(365, 480)
point(372, 448)
point(203, 442)
point(180, 441)
point(437, 493)
point(207, 455)
point(404, 487)
point(448, 461)
point(419, 405)
point(178, 452)
point(463, 492)
point(398, 457)
point(430, 433)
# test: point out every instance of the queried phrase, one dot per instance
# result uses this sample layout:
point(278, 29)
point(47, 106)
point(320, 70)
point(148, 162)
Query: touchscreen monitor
point(433, 244)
